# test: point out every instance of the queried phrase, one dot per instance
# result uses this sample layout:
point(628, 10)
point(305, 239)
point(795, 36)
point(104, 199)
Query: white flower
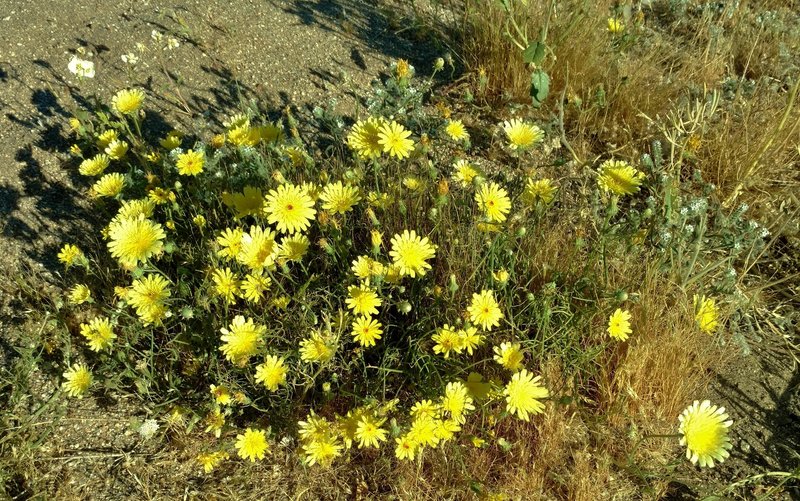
point(148, 429)
point(81, 67)
point(156, 35)
point(172, 43)
point(130, 58)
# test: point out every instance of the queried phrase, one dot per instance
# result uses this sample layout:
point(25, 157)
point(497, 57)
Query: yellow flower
point(215, 420)
point(615, 26)
point(446, 429)
point(411, 252)
point(190, 163)
point(132, 209)
point(541, 190)
point(199, 221)
point(80, 294)
point(230, 242)
point(106, 138)
point(221, 394)
point(217, 141)
point(501, 276)
point(248, 203)
point(470, 339)
point(619, 177)
point(425, 409)
point(464, 173)
point(172, 141)
point(244, 135)
point(403, 70)
point(456, 401)
point(70, 254)
point(423, 431)
point(369, 432)
point(456, 130)
point(252, 444)
point(290, 207)
point(211, 460)
point(339, 198)
point(704, 430)
point(74, 123)
point(447, 341)
point(241, 340)
point(412, 183)
point(509, 355)
point(109, 185)
point(226, 284)
point(363, 267)
point(160, 196)
point(522, 135)
point(376, 239)
point(707, 314)
point(317, 348)
point(78, 380)
point(116, 149)
point(366, 331)
point(364, 137)
point(293, 247)
point(406, 448)
point(135, 240)
point(254, 286)
point(258, 248)
point(363, 300)
point(94, 166)
point(523, 394)
point(484, 310)
point(322, 450)
point(99, 333)
point(148, 295)
point(272, 373)
point(619, 324)
point(394, 139)
point(127, 102)
point(493, 201)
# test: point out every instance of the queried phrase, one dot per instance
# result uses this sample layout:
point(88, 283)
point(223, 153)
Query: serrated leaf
point(534, 53)
point(540, 87)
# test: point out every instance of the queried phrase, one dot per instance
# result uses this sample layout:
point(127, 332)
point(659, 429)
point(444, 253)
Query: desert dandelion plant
point(704, 430)
point(619, 177)
point(524, 394)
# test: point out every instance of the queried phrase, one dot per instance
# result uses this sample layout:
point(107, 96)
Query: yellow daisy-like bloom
point(248, 203)
point(252, 444)
point(619, 177)
point(704, 430)
point(190, 163)
point(78, 379)
point(425, 408)
point(366, 331)
point(241, 339)
point(456, 401)
point(215, 420)
point(132, 209)
point(509, 355)
point(221, 394)
point(199, 221)
point(363, 267)
point(109, 185)
point(493, 201)
point(128, 101)
point(707, 314)
point(364, 138)
point(484, 310)
point(446, 429)
point(541, 190)
point(244, 135)
point(317, 348)
point(254, 286)
point(293, 247)
point(339, 198)
point(523, 394)
point(230, 242)
point(259, 248)
point(272, 373)
point(456, 130)
point(322, 450)
point(94, 166)
point(369, 432)
point(522, 135)
point(447, 341)
point(116, 149)
point(615, 26)
point(423, 432)
point(470, 339)
point(106, 138)
point(363, 300)
point(464, 173)
point(160, 196)
point(99, 332)
point(134, 241)
point(411, 252)
point(172, 141)
point(394, 139)
point(406, 448)
point(211, 460)
point(226, 284)
point(70, 254)
point(148, 295)
point(80, 294)
point(619, 325)
point(290, 207)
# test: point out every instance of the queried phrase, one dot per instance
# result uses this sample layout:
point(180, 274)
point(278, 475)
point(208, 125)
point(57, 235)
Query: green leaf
point(534, 53)
point(540, 87)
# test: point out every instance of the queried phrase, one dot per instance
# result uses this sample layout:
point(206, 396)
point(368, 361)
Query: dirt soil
point(280, 53)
